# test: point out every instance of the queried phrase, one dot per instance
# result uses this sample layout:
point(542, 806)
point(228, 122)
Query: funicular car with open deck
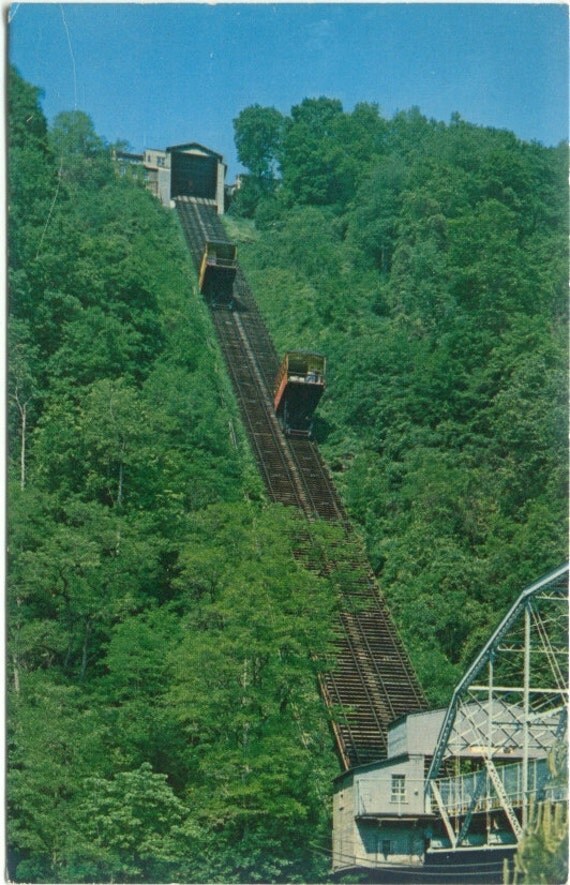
point(218, 271)
point(299, 385)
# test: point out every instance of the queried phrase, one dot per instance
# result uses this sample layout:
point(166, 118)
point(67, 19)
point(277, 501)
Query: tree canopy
point(429, 262)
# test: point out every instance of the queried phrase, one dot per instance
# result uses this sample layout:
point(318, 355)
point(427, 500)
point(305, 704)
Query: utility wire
point(60, 172)
point(67, 34)
point(52, 207)
point(470, 868)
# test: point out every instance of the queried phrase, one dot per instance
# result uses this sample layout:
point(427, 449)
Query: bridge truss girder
point(510, 707)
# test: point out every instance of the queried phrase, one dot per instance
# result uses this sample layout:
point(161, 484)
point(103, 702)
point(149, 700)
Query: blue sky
point(162, 74)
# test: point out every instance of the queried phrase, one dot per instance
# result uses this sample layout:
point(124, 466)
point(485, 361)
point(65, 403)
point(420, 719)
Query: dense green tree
point(27, 121)
point(317, 167)
point(84, 158)
point(129, 829)
point(542, 855)
point(32, 182)
point(258, 134)
point(22, 387)
point(244, 692)
point(54, 744)
point(372, 226)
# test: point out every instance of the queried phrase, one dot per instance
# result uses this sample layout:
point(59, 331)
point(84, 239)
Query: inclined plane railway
point(373, 681)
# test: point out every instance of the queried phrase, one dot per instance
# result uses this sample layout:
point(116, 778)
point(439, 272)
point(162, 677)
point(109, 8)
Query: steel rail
point(266, 442)
point(373, 681)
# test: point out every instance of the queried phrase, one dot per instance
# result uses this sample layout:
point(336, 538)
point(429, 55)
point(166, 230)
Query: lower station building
point(379, 814)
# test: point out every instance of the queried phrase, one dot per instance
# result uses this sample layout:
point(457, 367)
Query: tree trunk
point(23, 413)
point(16, 668)
point(120, 488)
point(85, 648)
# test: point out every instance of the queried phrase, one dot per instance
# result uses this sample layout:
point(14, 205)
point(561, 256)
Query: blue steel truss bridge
point(504, 734)
point(458, 786)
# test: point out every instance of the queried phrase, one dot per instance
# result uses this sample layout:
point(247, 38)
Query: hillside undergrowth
point(430, 267)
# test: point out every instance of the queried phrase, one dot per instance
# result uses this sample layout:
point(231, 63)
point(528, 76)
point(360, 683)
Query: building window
point(398, 788)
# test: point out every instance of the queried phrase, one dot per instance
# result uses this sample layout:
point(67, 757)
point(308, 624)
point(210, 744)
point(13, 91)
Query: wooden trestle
point(373, 681)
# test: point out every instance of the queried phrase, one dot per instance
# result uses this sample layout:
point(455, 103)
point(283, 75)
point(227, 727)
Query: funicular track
point(372, 682)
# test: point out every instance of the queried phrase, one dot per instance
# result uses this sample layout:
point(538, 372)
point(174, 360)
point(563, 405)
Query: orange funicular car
point(299, 385)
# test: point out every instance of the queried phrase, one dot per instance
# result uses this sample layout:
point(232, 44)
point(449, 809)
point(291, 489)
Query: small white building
point(379, 814)
point(157, 173)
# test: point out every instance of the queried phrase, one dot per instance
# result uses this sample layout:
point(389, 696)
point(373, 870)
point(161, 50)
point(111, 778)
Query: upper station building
point(183, 170)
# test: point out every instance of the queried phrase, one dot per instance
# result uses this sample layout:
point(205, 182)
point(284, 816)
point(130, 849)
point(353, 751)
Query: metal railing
point(475, 792)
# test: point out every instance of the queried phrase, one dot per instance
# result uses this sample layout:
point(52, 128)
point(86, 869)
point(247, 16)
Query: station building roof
point(194, 146)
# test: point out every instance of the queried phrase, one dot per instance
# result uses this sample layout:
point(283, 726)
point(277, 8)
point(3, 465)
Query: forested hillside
point(163, 642)
point(429, 263)
point(164, 719)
